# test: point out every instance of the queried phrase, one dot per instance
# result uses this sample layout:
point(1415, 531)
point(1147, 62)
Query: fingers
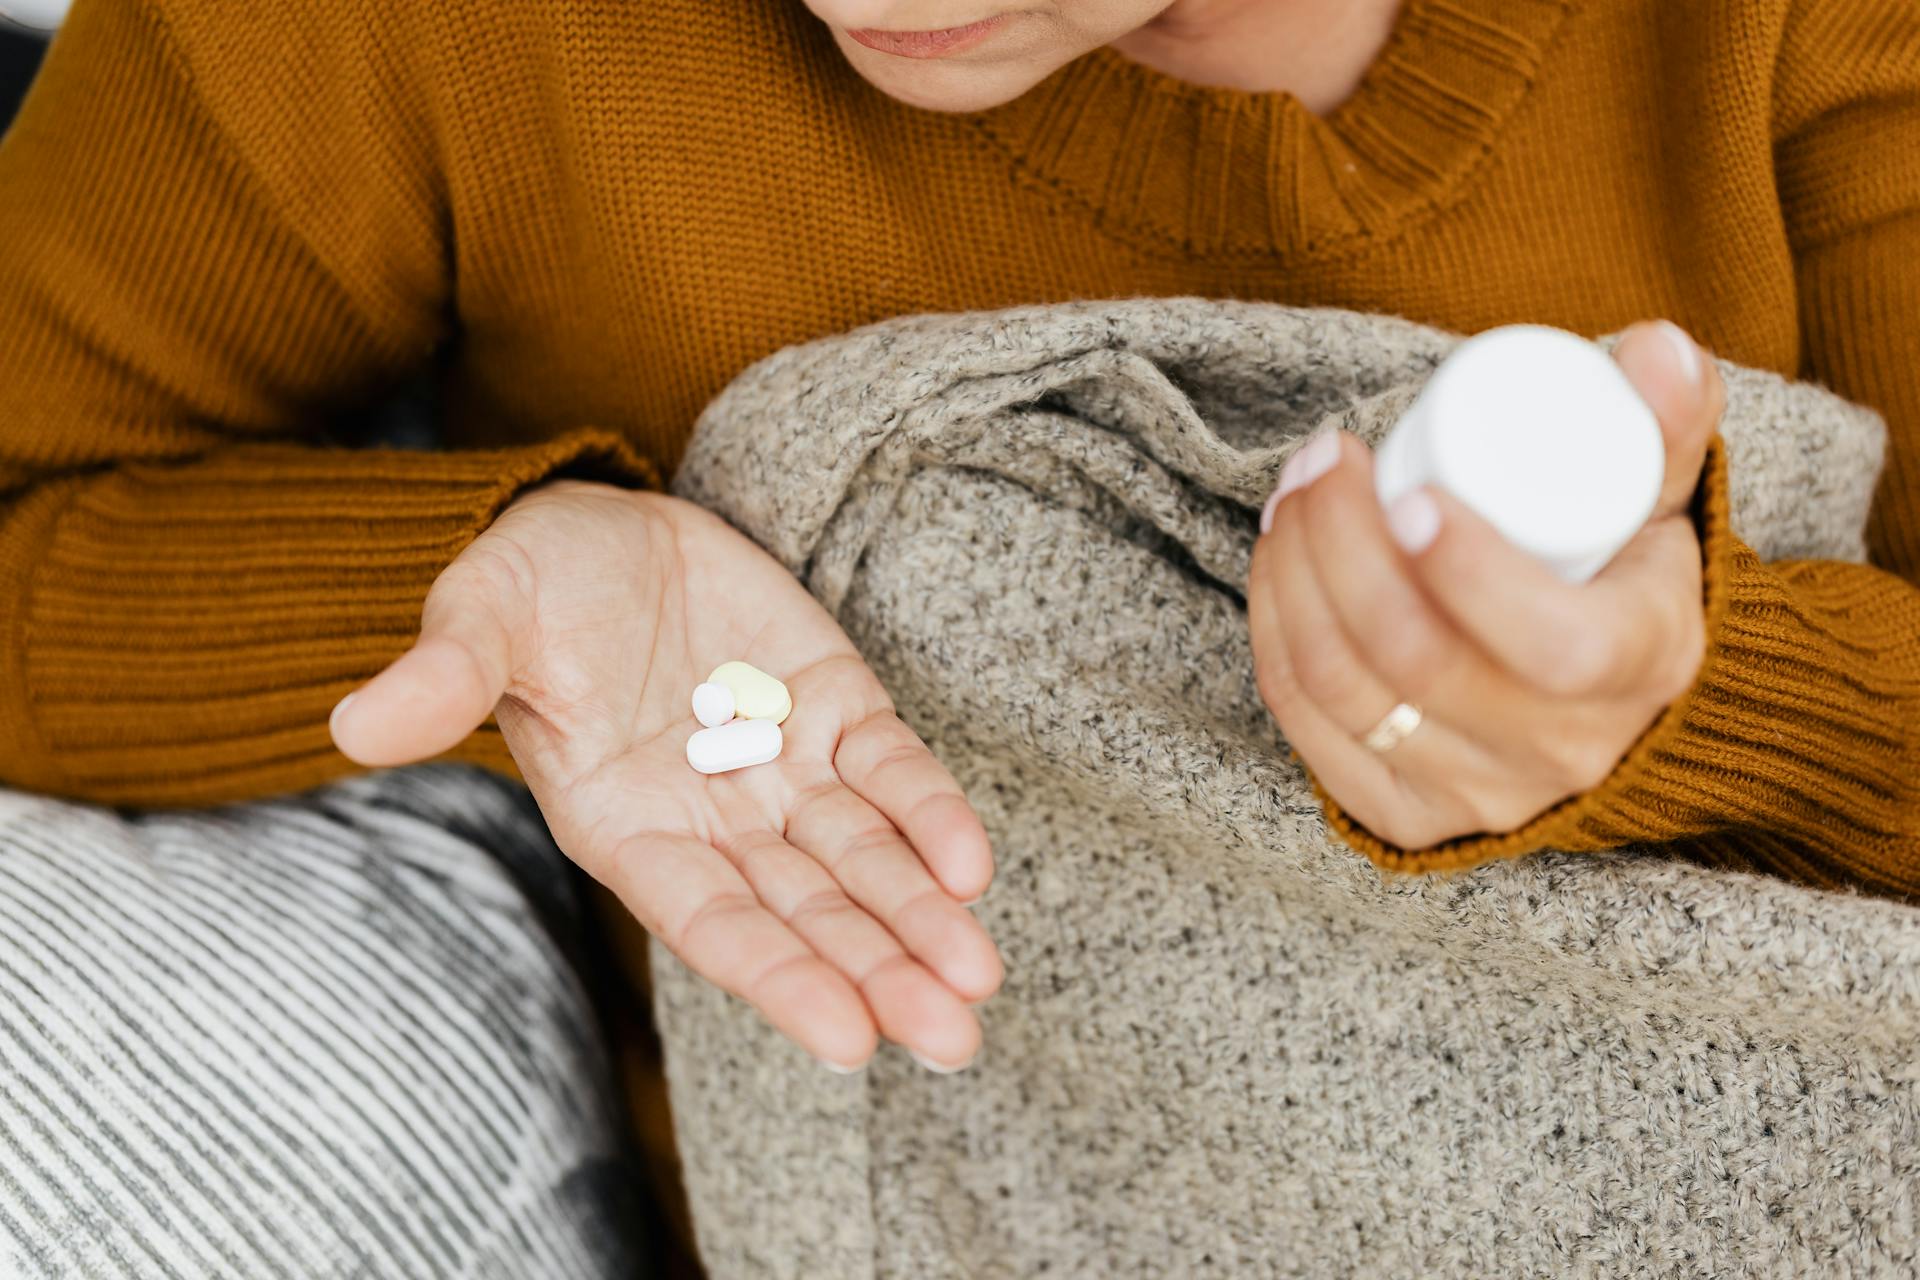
point(690, 897)
point(443, 688)
point(1631, 627)
point(1684, 389)
point(912, 1007)
point(1605, 638)
point(1340, 635)
point(887, 765)
point(1661, 569)
point(1321, 705)
point(1394, 629)
point(876, 866)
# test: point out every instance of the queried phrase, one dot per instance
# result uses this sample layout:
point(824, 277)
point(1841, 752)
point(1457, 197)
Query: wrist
point(576, 494)
point(586, 458)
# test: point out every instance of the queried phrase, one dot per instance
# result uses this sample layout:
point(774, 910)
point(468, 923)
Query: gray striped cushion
point(316, 1037)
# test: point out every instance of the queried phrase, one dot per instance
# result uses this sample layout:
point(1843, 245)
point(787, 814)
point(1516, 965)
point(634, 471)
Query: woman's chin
point(943, 84)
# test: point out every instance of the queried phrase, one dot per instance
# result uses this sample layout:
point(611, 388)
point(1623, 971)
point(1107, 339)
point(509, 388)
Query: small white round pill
point(712, 704)
point(734, 745)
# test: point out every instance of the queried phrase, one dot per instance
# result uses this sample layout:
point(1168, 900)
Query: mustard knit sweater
point(226, 230)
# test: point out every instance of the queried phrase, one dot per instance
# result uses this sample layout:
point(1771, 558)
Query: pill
point(712, 704)
point(1540, 432)
point(734, 745)
point(756, 695)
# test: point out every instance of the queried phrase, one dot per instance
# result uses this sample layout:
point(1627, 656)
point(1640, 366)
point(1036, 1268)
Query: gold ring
point(1393, 727)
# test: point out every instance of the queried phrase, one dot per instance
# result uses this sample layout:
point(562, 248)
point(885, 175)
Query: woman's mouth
point(929, 44)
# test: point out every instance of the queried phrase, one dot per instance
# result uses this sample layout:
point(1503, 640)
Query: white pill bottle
point(40, 17)
point(1540, 432)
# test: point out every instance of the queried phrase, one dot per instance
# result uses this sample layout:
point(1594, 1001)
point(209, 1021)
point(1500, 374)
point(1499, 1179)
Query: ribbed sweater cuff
point(1670, 783)
point(181, 632)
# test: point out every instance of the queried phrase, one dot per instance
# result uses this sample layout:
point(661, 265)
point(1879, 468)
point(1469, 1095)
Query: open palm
point(826, 887)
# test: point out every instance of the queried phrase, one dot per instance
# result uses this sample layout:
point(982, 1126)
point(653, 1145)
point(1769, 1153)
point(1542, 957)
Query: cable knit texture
point(1227, 1046)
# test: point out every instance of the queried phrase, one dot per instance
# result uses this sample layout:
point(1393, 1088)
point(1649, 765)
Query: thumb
point(438, 692)
point(1683, 388)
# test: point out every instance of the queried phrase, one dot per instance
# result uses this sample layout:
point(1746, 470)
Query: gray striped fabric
point(326, 1036)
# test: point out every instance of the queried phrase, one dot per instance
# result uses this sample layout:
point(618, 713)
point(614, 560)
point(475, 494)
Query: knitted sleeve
point(190, 575)
point(1797, 751)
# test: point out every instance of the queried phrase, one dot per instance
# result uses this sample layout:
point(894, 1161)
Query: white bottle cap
point(38, 16)
point(1540, 432)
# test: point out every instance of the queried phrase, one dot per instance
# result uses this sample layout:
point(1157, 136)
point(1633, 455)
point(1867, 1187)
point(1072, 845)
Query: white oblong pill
point(712, 704)
point(756, 695)
point(734, 745)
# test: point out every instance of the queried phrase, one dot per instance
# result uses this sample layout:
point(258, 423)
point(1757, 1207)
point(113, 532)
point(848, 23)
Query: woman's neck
point(1317, 50)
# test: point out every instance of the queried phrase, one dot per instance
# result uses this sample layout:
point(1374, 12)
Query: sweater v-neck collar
point(1200, 170)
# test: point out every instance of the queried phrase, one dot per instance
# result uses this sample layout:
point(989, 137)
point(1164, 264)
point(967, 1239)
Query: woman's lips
point(929, 44)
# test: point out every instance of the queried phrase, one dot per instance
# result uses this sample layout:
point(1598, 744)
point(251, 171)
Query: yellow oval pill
point(756, 695)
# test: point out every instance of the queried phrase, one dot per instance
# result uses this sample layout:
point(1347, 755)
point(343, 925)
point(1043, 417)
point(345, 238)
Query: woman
point(231, 229)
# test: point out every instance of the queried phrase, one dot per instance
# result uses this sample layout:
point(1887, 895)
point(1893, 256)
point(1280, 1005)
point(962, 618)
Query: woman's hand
point(1532, 689)
point(826, 887)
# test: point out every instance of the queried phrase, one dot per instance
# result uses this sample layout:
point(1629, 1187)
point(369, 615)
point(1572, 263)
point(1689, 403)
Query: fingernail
point(1309, 462)
point(1266, 512)
point(839, 1070)
point(333, 720)
point(1685, 350)
point(931, 1065)
point(1414, 520)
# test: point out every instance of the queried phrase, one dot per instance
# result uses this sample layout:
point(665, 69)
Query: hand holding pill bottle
point(793, 861)
point(1477, 621)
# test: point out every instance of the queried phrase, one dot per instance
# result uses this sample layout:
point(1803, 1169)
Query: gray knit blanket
point(1227, 1045)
